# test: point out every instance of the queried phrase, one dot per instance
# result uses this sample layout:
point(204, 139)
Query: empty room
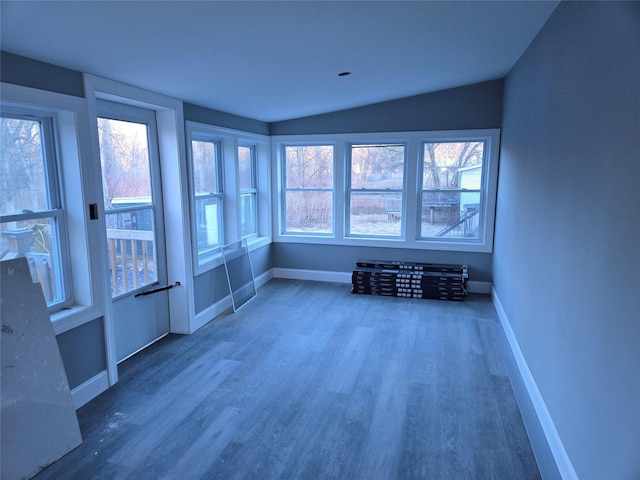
point(320, 239)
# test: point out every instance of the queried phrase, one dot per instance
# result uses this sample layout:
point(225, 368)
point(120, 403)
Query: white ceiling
point(276, 60)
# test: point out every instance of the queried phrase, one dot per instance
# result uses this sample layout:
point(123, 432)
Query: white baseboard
point(212, 311)
point(317, 275)
point(345, 277)
point(87, 391)
point(479, 287)
point(260, 280)
point(560, 456)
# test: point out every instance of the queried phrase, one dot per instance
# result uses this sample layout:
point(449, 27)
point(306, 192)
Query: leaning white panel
point(39, 423)
point(237, 264)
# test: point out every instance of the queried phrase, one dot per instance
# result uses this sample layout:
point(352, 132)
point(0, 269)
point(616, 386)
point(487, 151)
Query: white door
point(135, 230)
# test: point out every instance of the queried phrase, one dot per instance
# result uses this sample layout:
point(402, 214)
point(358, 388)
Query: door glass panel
point(128, 203)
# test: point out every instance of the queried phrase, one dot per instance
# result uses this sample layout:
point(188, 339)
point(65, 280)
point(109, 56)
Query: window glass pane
point(248, 214)
point(23, 171)
point(37, 240)
point(375, 214)
point(458, 218)
point(309, 166)
point(208, 223)
point(132, 249)
point(205, 165)
point(452, 180)
point(124, 155)
point(309, 211)
point(377, 166)
point(444, 163)
point(245, 167)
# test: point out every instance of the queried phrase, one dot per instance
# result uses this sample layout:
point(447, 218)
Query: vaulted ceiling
point(276, 60)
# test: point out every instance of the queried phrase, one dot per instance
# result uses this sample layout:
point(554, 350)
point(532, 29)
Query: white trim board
point(222, 305)
point(314, 275)
point(532, 394)
point(87, 391)
point(345, 277)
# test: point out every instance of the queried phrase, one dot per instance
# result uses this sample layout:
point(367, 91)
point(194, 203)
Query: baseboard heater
point(410, 279)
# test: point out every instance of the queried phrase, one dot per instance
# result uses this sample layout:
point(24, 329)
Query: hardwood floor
point(310, 381)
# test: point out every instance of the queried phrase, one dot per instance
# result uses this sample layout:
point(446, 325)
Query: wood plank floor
point(309, 381)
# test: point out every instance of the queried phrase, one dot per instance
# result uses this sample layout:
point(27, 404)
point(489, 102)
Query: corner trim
point(87, 391)
point(542, 415)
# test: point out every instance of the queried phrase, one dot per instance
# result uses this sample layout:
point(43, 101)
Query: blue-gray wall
point(83, 351)
point(24, 71)
point(472, 107)
point(209, 116)
point(343, 259)
point(567, 241)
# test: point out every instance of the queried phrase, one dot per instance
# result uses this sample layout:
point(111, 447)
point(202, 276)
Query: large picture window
point(419, 190)
point(308, 188)
point(32, 218)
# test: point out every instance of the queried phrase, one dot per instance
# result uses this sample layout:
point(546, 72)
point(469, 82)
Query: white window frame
point(199, 134)
point(229, 140)
point(55, 210)
point(253, 189)
point(414, 142)
point(281, 174)
point(73, 150)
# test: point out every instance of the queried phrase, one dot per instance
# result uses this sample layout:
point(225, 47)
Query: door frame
point(173, 165)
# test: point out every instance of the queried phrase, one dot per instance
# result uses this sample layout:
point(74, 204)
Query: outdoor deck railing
point(130, 262)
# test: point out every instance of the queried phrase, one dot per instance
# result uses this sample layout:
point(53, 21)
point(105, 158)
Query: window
point(126, 136)
point(248, 190)
point(376, 190)
point(308, 189)
point(31, 212)
point(207, 195)
point(420, 190)
point(451, 189)
point(229, 183)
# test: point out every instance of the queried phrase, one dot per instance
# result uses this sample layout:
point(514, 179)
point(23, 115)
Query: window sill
point(73, 317)
point(257, 242)
point(475, 247)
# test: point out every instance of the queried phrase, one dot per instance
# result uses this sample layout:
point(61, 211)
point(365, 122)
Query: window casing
point(32, 216)
point(397, 201)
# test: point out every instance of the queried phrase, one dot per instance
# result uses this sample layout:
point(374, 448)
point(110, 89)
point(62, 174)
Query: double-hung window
point(376, 190)
point(31, 211)
point(248, 190)
point(207, 195)
point(308, 189)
